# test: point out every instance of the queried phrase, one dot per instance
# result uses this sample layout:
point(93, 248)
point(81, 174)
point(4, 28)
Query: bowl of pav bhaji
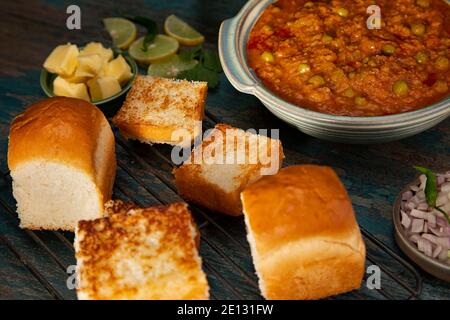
point(337, 71)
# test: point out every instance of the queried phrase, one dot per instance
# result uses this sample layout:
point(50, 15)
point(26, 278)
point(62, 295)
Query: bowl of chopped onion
point(422, 222)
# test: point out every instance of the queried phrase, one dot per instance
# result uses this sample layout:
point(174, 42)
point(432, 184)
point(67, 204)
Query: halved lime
point(161, 47)
point(122, 31)
point(170, 67)
point(180, 30)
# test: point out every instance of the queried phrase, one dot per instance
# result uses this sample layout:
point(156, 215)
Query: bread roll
point(303, 235)
point(217, 186)
point(62, 161)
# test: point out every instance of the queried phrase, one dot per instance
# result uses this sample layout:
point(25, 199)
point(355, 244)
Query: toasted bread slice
point(206, 180)
point(118, 207)
point(146, 254)
point(156, 110)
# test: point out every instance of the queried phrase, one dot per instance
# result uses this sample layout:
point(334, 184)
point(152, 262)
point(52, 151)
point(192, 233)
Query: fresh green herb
point(195, 53)
point(207, 69)
point(150, 25)
point(431, 185)
point(431, 192)
point(200, 73)
point(444, 213)
point(211, 61)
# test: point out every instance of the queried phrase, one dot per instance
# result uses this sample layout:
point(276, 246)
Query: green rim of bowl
point(47, 78)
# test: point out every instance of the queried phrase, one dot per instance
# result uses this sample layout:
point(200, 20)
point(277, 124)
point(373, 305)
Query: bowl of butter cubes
point(92, 73)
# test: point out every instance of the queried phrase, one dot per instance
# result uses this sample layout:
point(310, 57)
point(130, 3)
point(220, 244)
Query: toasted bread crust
point(303, 234)
point(118, 207)
point(156, 107)
point(150, 134)
point(140, 254)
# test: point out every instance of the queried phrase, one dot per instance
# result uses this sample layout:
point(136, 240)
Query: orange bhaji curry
point(322, 56)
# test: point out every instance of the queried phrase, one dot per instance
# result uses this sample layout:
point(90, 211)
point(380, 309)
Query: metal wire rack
point(144, 177)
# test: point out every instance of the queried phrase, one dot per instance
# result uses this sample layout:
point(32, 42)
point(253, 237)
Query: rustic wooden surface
point(33, 264)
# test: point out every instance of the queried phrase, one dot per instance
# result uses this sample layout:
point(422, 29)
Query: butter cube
point(89, 65)
point(76, 78)
point(118, 69)
point(103, 87)
point(62, 60)
point(97, 48)
point(62, 87)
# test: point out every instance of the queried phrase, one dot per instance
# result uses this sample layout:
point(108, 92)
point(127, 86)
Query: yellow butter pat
point(97, 48)
point(62, 87)
point(76, 78)
point(103, 87)
point(118, 69)
point(89, 65)
point(62, 60)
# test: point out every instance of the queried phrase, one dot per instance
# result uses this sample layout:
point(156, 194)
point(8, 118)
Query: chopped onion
point(443, 234)
point(427, 227)
point(418, 214)
point(442, 199)
point(444, 188)
point(437, 251)
point(417, 225)
point(422, 206)
point(425, 246)
point(406, 220)
point(407, 195)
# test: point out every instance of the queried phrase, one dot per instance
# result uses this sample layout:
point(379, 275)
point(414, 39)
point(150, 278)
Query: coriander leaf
point(150, 25)
point(211, 61)
point(207, 69)
point(195, 53)
point(200, 73)
point(431, 192)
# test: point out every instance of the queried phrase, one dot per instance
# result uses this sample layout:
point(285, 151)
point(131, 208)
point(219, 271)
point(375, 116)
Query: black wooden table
point(33, 264)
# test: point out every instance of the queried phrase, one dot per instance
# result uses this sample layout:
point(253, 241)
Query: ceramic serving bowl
point(233, 37)
point(47, 82)
point(437, 268)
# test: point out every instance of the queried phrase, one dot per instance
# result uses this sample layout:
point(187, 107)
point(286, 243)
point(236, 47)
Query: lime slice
point(122, 31)
point(180, 30)
point(161, 47)
point(170, 67)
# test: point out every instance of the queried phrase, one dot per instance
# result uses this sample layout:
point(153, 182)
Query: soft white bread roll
point(303, 235)
point(62, 161)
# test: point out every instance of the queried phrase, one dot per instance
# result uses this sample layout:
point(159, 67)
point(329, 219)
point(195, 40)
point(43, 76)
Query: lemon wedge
point(180, 30)
point(122, 31)
point(161, 47)
point(170, 67)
